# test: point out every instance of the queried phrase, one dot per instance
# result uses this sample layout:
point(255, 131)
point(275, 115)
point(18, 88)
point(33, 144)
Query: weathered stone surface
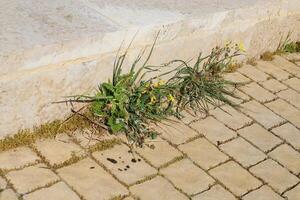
point(30, 178)
point(288, 157)
point(8, 195)
point(126, 166)
point(257, 92)
point(58, 191)
point(260, 137)
point(238, 180)
point(214, 130)
point(188, 177)
point(156, 188)
point(91, 181)
point(283, 179)
point(293, 194)
point(216, 192)
point(253, 73)
point(290, 96)
point(263, 193)
point(236, 77)
point(2, 183)
point(243, 152)
point(239, 98)
point(262, 114)
point(293, 83)
point(271, 69)
point(289, 133)
point(17, 158)
point(286, 65)
point(203, 153)
point(273, 85)
point(189, 116)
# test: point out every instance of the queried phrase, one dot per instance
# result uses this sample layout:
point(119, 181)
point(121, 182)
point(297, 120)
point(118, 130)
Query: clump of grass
point(267, 56)
point(286, 45)
point(251, 61)
point(105, 144)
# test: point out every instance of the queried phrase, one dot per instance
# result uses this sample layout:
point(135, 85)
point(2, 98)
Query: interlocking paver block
point(274, 71)
point(17, 158)
point(253, 73)
point(290, 96)
point(126, 166)
point(58, 150)
point(260, 137)
point(273, 85)
point(276, 176)
point(188, 177)
point(239, 97)
point(243, 152)
point(8, 195)
point(289, 133)
point(257, 92)
point(158, 152)
point(86, 138)
point(231, 117)
point(286, 65)
point(2, 183)
point(294, 193)
point(288, 157)
point(189, 116)
point(203, 153)
point(157, 188)
point(261, 114)
point(217, 192)
point(263, 193)
point(285, 110)
point(30, 178)
point(293, 83)
point(236, 77)
point(91, 181)
point(214, 130)
point(237, 179)
point(58, 191)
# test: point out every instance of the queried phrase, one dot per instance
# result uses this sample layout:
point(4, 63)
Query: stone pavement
point(251, 152)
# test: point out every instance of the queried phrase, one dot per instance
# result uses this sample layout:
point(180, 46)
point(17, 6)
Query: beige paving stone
point(214, 130)
point(237, 179)
point(243, 152)
point(239, 97)
point(30, 178)
point(91, 181)
point(273, 85)
point(236, 77)
point(293, 83)
point(291, 56)
point(290, 96)
point(294, 193)
point(253, 73)
point(189, 116)
point(276, 176)
point(263, 193)
point(272, 70)
point(262, 114)
point(17, 158)
point(8, 195)
point(2, 183)
point(58, 191)
point(157, 188)
point(286, 65)
point(128, 167)
point(285, 110)
point(289, 133)
point(187, 177)
point(158, 152)
point(288, 157)
point(58, 150)
point(231, 117)
point(260, 137)
point(129, 198)
point(217, 192)
point(257, 92)
point(203, 153)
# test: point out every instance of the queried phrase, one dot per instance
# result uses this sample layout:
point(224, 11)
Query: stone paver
point(188, 177)
point(87, 139)
point(260, 137)
point(286, 65)
point(8, 195)
point(274, 71)
point(17, 158)
point(293, 83)
point(257, 92)
point(290, 96)
point(294, 193)
point(91, 181)
point(262, 114)
point(253, 73)
point(30, 178)
point(263, 193)
point(273, 85)
point(243, 152)
point(126, 166)
point(203, 153)
point(289, 133)
point(285, 110)
point(276, 176)
point(58, 191)
point(237, 179)
point(158, 152)
point(189, 116)
point(216, 192)
point(239, 98)
point(231, 117)
point(288, 157)
point(2, 183)
point(236, 77)
point(156, 188)
point(213, 130)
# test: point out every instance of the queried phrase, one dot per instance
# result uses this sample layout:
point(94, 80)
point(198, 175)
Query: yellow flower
point(171, 98)
point(242, 47)
point(227, 43)
point(152, 99)
point(161, 82)
point(147, 85)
